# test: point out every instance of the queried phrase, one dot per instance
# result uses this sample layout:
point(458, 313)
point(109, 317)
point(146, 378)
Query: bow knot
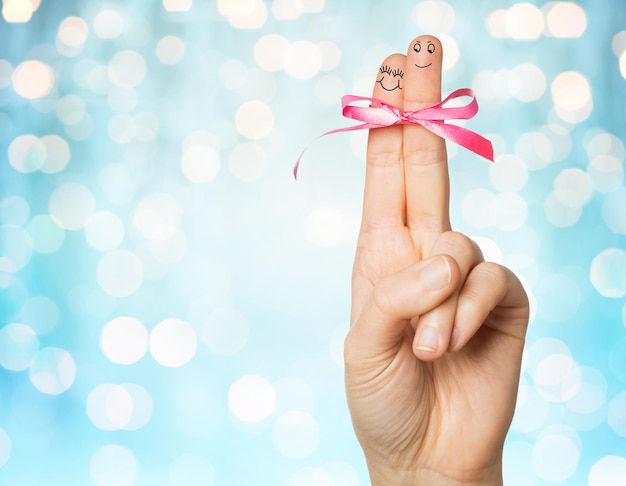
point(380, 114)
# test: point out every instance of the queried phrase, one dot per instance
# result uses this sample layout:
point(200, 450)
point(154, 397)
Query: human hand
point(434, 351)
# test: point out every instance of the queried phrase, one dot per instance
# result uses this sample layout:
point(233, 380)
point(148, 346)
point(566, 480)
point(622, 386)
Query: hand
point(434, 350)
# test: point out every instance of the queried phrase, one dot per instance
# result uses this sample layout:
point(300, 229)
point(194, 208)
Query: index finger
point(425, 157)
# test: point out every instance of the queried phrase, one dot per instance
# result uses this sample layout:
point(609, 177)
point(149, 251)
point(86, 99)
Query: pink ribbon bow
point(433, 118)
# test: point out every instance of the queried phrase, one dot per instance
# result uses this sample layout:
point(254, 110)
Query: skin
point(434, 351)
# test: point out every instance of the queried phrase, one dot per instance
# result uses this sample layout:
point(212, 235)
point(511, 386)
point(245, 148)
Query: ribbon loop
point(380, 114)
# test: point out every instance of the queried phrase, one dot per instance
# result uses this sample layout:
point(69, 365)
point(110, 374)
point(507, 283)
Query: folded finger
point(395, 299)
point(435, 328)
point(488, 286)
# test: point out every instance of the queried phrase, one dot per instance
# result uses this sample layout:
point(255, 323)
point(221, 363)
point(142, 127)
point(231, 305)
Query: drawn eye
point(417, 47)
point(392, 72)
point(431, 48)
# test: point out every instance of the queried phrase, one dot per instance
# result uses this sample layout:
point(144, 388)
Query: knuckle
point(384, 297)
point(459, 245)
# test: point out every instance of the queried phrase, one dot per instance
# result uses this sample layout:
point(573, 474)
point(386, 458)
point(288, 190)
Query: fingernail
point(427, 340)
point(437, 274)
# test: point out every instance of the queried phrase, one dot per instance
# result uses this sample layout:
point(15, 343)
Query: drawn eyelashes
point(392, 72)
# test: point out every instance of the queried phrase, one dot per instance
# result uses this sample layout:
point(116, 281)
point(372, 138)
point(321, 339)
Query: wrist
point(420, 476)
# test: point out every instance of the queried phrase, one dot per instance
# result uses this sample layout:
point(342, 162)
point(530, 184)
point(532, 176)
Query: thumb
point(398, 298)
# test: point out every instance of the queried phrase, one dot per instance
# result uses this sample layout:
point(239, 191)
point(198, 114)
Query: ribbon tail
point(362, 126)
point(461, 136)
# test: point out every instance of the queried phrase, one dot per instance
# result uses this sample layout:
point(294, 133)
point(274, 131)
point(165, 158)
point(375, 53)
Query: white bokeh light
point(304, 60)
point(120, 273)
point(509, 174)
point(244, 14)
point(251, 398)
point(108, 24)
point(173, 343)
point(57, 154)
point(104, 230)
point(27, 153)
point(271, 52)
point(18, 346)
point(555, 457)
point(72, 35)
point(247, 161)
point(608, 273)
point(119, 407)
point(127, 69)
point(607, 470)
point(46, 236)
point(565, 19)
point(70, 205)
point(254, 119)
point(613, 211)
point(523, 21)
point(224, 331)
point(123, 474)
point(571, 94)
point(573, 187)
point(53, 371)
point(170, 50)
point(33, 79)
point(158, 216)
point(325, 227)
point(294, 394)
point(617, 414)
point(200, 163)
point(434, 16)
point(124, 340)
point(295, 435)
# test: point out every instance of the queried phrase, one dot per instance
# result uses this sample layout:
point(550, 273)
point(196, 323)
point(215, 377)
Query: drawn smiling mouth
point(417, 65)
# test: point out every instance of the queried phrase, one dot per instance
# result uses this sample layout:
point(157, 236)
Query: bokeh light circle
point(616, 417)
point(124, 340)
point(606, 471)
point(45, 234)
point(295, 435)
point(173, 343)
point(104, 230)
point(224, 331)
point(33, 79)
point(53, 371)
point(127, 69)
point(254, 119)
point(555, 457)
point(608, 273)
point(251, 398)
point(158, 216)
point(200, 163)
point(120, 273)
point(125, 471)
point(70, 205)
point(613, 211)
point(18, 346)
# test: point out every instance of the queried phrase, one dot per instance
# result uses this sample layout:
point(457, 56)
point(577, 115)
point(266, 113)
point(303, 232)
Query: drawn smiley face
point(425, 48)
point(390, 78)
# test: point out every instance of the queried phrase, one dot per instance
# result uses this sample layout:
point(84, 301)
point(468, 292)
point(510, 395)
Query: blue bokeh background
point(173, 303)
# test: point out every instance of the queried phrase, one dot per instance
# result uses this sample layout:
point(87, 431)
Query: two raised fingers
point(407, 173)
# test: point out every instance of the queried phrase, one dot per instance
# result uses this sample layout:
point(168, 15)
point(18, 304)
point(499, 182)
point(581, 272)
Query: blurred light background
point(173, 304)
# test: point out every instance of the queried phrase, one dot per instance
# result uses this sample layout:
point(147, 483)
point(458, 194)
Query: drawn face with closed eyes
point(426, 50)
point(389, 78)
